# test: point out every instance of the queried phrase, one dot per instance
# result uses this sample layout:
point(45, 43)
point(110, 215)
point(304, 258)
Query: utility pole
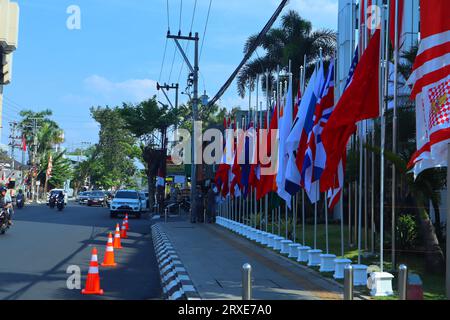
point(194, 72)
point(34, 191)
point(167, 87)
point(12, 142)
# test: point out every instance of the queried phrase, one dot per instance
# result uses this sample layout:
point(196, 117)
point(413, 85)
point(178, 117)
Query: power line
point(249, 53)
point(204, 31)
point(168, 15)
point(181, 13)
point(186, 47)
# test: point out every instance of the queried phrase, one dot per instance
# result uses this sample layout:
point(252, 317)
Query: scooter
point(20, 203)
point(60, 204)
point(52, 202)
point(4, 225)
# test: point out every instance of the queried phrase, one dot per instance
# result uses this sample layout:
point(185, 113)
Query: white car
point(126, 202)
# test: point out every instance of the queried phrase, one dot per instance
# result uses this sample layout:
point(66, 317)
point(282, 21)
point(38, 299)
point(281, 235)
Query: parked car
point(83, 197)
point(55, 192)
point(126, 202)
point(97, 198)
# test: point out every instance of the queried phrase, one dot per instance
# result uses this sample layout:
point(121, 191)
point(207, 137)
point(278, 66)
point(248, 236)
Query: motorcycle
point(52, 202)
point(60, 204)
point(4, 225)
point(19, 203)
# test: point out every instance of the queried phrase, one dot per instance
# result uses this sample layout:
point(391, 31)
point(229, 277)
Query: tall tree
point(149, 123)
point(293, 40)
point(116, 149)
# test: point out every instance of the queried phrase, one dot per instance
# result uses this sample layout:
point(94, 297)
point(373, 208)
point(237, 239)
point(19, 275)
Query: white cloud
point(133, 90)
point(321, 13)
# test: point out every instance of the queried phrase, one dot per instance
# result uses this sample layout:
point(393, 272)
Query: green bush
point(407, 232)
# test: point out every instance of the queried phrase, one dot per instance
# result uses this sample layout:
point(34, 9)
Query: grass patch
point(433, 284)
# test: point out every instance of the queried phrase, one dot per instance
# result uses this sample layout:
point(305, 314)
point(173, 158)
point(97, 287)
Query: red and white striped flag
point(50, 166)
point(430, 82)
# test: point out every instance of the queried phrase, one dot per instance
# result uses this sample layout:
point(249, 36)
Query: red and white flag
point(430, 82)
point(50, 166)
point(24, 144)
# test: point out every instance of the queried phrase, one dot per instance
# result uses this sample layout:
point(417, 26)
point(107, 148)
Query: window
point(127, 195)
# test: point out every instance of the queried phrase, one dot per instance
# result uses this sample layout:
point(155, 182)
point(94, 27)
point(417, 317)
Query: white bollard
point(293, 250)
point(327, 262)
point(285, 246)
point(380, 284)
point(277, 243)
point(339, 267)
point(303, 253)
point(359, 275)
point(314, 257)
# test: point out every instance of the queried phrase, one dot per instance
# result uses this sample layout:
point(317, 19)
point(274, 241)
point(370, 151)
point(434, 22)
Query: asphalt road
point(36, 252)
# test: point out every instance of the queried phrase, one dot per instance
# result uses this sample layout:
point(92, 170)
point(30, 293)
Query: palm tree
point(292, 41)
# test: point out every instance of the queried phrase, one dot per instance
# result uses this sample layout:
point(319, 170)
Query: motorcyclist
point(60, 196)
point(6, 203)
point(21, 196)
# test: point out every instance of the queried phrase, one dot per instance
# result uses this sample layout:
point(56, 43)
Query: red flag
point(268, 181)
point(392, 14)
point(24, 144)
point(431, 63)
point(431, 87)
point(359, 102)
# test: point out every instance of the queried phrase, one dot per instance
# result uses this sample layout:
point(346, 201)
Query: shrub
point(407, 232)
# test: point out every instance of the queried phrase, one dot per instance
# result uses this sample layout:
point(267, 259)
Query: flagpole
point(372, 198)
point(326, 225)
point(255, 203)
point(341, 204)
point(266, 200)
point(383, 134)
point(350, 214)
point(315, 220)
point(303, 218)
point(394, 134)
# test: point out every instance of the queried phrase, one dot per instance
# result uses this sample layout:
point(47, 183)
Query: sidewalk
point(213, 257)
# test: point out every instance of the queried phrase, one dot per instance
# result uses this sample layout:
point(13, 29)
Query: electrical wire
point(168, 15)
point(186, 47)
point(249, 53)
point(204, 31)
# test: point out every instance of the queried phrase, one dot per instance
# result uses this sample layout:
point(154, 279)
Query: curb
point(175, 280)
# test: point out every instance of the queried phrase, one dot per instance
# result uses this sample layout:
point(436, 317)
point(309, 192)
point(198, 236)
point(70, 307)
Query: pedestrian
point(211, 204)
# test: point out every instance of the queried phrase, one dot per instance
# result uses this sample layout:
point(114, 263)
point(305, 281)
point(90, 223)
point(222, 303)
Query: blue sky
point(117, 54)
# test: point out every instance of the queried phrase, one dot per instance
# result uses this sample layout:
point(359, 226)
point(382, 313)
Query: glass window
point(126, 195)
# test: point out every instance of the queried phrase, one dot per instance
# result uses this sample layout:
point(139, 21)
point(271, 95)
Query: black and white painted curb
point(174, 278)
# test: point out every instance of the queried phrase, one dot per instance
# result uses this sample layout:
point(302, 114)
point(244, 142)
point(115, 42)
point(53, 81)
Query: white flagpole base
point(271, 240)
point(339, 266)
point(303, 253)
point(327, 262)
point(265, 238)
point(293, 250)
point(277, 243)
point(359, 275)
point(314, 257)
point(285, 246)
point(380, 284)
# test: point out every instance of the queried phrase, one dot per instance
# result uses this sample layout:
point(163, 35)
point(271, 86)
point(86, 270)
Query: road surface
point(43, 243)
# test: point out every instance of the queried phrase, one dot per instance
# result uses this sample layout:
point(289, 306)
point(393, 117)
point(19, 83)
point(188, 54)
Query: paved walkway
point(213, 257)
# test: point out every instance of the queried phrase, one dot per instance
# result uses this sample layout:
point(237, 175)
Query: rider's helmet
point(3, 189)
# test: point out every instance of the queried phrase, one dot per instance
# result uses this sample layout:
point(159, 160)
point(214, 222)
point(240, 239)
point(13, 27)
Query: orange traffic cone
point(117, 244)
point(123, 232)
point(108, 259)
point(126, 222)
point(93, 277)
